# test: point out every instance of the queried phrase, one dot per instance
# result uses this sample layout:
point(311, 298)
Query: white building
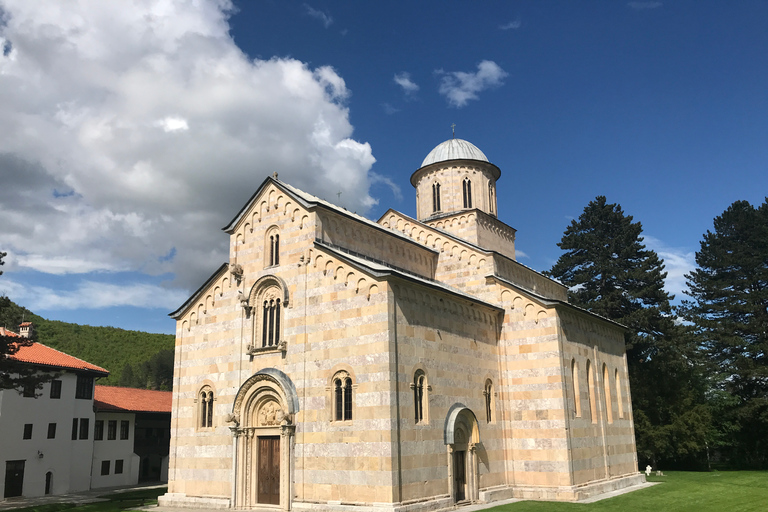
point(73, 436)
point(131, 436)
point(46, 441)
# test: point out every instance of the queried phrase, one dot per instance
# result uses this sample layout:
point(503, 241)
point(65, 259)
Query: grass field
point(719, 491)
point(117, 501)
point(723, 491)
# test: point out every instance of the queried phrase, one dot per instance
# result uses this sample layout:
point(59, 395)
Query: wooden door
point(459, 474)
point(14, 478)
point(269, 470)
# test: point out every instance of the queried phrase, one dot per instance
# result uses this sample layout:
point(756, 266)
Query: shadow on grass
point(116, 501)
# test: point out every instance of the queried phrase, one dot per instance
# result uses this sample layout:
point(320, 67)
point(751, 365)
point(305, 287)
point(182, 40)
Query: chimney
point(26, 329)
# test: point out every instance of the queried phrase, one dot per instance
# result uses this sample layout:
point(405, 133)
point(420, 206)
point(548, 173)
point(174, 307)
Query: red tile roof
point(6, 332)
point(24, 324)
point(113, 398)
point(39, 354)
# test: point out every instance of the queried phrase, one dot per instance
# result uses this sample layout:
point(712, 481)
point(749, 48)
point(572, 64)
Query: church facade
point(338, 363)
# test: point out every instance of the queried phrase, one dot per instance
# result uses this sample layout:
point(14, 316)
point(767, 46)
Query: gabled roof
point(309, 201)
point(381, 269)
point(42, 355)
point(470, 244)
point(193, 298)
point(554, 302)
point(117, 399)
point(7, 333)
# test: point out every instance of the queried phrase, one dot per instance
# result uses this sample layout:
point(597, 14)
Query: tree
point(609, 272)
point(13, 374)
point(729, 313)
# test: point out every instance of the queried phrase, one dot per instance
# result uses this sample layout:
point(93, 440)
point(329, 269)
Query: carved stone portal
point(270, 414)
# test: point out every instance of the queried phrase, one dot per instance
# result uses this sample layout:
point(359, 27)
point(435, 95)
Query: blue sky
point(127, 142)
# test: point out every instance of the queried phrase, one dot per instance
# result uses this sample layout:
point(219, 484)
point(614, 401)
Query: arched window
point(206, 399)
point(436, 197)
point(266, 306)
point(272, 248)
point(607, 392)
point(488, 393)
point(49, 482)
point(342, 393)
point(270, 325)
point(591, 392)
point(576, 394)
point(467, 189)
point(420, 396)
point(618, 394)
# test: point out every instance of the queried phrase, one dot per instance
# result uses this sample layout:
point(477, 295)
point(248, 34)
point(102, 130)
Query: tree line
point(698, 371)
point(134, 358)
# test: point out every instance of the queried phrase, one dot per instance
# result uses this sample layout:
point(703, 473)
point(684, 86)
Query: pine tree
point(729, 313)
point(610, 272)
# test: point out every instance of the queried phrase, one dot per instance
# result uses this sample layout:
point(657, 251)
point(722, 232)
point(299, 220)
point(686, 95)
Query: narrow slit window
point(467, 189)
point(435, 197)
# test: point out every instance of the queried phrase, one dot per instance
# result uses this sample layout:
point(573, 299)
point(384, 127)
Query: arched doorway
point(462, 435)
point(263, 413)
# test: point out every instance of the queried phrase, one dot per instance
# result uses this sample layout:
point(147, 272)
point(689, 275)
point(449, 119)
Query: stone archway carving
point(263, 415)
point(461, 434)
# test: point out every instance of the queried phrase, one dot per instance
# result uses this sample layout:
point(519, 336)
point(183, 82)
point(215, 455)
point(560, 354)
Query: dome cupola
point(455, 176)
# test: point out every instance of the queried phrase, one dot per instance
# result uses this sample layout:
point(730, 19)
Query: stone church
point(337, 363)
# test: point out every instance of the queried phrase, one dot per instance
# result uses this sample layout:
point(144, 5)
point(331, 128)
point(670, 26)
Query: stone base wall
point(181, 500)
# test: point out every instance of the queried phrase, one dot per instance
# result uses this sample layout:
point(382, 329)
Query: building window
point(84, 389)
point(27, 431)
point(104, 467)
point(74, 429)
point(111, 430)
point(48, 482)
point(272, 252)
point(467, 190)
point(84, 428)
point(119, 467)
point(420, 399)
point(618, 393)
point(576, 394)
point(56, 389)
point(591, 392)
point(98, 430)
point(270, 326)
point(51, 431)
point(29, 391)
point(607, 393)
point(342, 392)
point(489, 400)
point(206, 407)
point(435, 197)
point(124, 425)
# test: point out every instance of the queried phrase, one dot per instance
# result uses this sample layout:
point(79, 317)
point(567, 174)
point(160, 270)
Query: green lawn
point(720, 491)
point(117, 501)
point(723, 491)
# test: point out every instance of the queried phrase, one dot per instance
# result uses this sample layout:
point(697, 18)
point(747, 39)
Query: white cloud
point(677, 263)
point(514, 25)
point(172, 124)
point(404, 80)
point(95, 295)
point(389, 109)
point(125, 137)
point(640, 6)
point(324, 17)
point(459, 87)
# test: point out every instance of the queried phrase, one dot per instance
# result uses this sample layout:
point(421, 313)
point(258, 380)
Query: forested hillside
point(133, 358)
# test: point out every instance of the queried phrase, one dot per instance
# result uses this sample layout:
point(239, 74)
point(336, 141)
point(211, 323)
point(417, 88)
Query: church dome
point(454, 149)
